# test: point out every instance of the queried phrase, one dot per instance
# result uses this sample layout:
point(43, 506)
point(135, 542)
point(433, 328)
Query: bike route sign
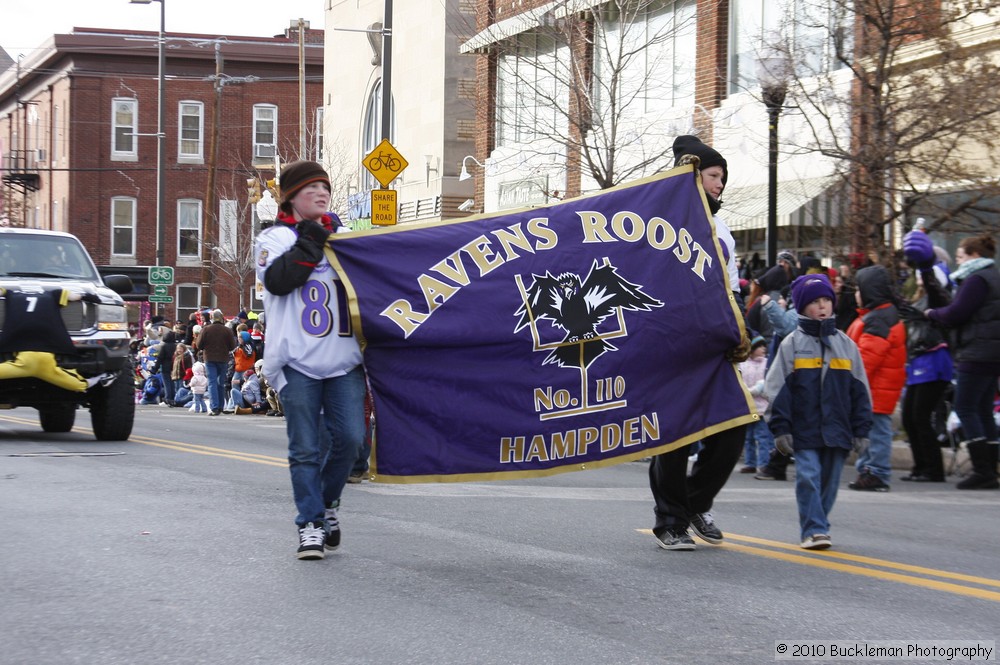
point(385, 163)
point(161, 275)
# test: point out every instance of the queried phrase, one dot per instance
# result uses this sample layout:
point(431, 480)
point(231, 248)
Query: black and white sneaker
point(311, 539)
point(704, 526)
point(674, 539)
point(332, 529)
point(817, 541)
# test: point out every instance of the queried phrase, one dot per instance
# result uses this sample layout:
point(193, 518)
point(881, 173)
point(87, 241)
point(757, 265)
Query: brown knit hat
point(297, 175)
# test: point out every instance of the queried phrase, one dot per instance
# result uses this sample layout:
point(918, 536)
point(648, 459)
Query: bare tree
point(597, 87)
point(232, 254)
point(916, 116)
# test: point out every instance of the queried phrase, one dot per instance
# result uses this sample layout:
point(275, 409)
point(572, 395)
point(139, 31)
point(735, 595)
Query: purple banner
point(559, 338)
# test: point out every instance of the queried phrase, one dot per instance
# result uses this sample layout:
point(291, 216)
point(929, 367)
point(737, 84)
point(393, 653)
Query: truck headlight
point(111, 317)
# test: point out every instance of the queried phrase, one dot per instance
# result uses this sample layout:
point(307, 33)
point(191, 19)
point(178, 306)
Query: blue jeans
point(216, 382)
point(199, 403)
point(877, 460)
point(759, 444)
point(974, 394)
point(168, 385)
point(183, 396)
point(817, 478)
point(235, 395)
point(325, 421)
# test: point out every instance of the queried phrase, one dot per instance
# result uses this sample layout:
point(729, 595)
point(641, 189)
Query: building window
point(229, 241)
point(122, 226)
point(670, 55)
point(319, 135)
point(188, 228)
point(265, 131)
point(188, 300)
point(817, 29)
point(191, 137)
point(373, 129)
point(123, 128)
point(531, 82)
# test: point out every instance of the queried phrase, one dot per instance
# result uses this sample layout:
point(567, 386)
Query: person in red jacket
point(881, 336)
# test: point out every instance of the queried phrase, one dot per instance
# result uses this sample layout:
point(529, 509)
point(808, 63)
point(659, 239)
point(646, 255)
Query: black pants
point(678, 495)
point(918, 408)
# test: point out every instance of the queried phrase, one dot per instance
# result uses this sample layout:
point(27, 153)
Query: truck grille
point(77, 316)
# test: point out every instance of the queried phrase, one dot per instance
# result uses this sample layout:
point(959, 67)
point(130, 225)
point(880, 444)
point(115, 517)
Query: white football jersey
point(310, 328)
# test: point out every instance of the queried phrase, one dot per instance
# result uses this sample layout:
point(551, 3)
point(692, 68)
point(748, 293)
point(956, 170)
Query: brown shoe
point(243, 410)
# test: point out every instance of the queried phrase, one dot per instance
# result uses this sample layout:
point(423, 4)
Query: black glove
point(312, 232)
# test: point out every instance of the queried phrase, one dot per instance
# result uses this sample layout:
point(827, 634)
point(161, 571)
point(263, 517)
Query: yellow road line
point(827, 560)
point(986, 581)
point(209, 450)
point(177, 445)
point(214, 452)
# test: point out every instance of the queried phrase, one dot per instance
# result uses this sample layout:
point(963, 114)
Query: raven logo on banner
point(470, 327)
point(579, 308)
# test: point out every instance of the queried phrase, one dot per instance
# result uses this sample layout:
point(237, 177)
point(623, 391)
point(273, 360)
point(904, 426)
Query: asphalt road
point(179, 547)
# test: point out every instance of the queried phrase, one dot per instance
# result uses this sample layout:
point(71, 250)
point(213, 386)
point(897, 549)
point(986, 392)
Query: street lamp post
point(772, 75)
point(160, 135)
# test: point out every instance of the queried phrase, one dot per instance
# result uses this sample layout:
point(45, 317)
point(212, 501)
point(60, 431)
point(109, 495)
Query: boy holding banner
point(682, 500)
point(313, 359)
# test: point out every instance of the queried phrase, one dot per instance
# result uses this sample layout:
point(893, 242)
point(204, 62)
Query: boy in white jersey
point(313, 359)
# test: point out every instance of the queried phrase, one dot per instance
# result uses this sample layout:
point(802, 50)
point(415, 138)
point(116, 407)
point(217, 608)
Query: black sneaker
point(769, 473)
point(311, 537)
point(332, 540)
point(675, 539)
point(866, 482)
point(978, 481)
point(704, 526)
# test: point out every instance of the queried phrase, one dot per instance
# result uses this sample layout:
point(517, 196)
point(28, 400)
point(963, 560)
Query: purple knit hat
point(807, 288)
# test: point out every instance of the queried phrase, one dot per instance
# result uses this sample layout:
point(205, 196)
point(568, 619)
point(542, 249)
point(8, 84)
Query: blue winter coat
point(817, 389)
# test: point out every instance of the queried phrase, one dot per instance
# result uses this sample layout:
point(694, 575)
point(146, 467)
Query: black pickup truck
point(34, 263)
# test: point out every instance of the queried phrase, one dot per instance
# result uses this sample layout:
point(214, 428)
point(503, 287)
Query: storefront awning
point(507, 28)
point(525, 21)
point(745, 208)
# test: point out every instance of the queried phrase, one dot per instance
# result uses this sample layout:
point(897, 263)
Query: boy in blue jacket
point(820, 404)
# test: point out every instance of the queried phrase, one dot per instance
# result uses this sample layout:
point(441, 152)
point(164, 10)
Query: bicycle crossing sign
point(161, 275)
point(385, 163)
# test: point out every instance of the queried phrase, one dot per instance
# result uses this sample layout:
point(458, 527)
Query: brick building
point(563, 110)
point(78, 124)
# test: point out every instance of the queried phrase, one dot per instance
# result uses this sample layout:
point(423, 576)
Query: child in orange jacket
point(881, 336)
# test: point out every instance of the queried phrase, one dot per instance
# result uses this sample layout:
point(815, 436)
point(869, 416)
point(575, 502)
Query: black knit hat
point(692, 145)
point(297, 175)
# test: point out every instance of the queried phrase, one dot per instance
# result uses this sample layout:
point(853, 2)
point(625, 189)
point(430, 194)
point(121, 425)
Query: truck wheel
point(57, 418)
point(112, 409)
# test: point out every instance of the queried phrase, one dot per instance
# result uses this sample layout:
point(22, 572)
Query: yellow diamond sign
point(385, 163)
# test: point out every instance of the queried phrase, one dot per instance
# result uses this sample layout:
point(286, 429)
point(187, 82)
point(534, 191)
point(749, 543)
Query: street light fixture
point(772, 73)
point(160, 136)
point(465, 175)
